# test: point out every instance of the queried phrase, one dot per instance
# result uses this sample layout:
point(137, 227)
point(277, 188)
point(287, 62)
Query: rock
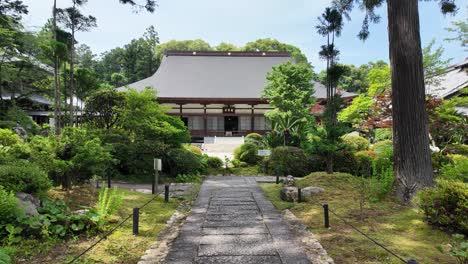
point(309, 192)
point(289, 194)
point(289, 181)
point(29, 203)
point(20, 131)
point(81, 212)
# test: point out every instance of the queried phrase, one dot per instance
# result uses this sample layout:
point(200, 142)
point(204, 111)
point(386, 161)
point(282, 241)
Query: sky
point(241, 21)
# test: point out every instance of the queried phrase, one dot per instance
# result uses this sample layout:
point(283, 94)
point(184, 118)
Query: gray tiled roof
point(212, 76)
point(450, 82)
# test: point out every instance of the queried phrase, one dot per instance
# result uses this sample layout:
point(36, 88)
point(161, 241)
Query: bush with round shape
point(254, 138)
point(446, 205)
point(181, 161)
point(456, 169)
point(8, 138)
point(383, 148)
point(381, 134)
point(365, 159)
point(288, 161)
point(247, 152)
point(355, 143)
point(214, 162)
point(345, 161)
point(194, 149)
point(24, 176)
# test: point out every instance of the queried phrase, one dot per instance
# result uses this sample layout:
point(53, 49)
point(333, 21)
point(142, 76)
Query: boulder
point(309, 192)
point(289, 194)
point(289, 181)
point(29, 203)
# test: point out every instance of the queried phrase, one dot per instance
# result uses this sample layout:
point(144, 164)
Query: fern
point(108, 202)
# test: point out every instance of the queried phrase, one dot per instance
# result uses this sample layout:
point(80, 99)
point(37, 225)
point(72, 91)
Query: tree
point(433, 63)
point(86, 82)
point(353, 80)
point(181, 45)
point(269, 44)
point(149, 5)
point(460, 29)
point(84, 57)
point(289, 89)
point(73, 19)
point(412, 160)
point(104, 108)
point(223, 46)
point(118, 79)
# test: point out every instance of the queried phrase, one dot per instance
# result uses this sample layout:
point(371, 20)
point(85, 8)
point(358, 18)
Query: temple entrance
point(231, 123)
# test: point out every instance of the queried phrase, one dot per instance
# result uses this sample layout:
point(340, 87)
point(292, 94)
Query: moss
point(400, 228)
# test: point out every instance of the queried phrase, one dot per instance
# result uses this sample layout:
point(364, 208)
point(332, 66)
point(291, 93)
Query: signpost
point(157, 169)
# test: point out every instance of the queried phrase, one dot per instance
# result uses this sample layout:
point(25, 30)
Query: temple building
point(217, 93)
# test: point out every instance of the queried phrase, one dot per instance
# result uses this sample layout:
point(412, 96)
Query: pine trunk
point(72, 76)
point(56, 81)
point(412, 161)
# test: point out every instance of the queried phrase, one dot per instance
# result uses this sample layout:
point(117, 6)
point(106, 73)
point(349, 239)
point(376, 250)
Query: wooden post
point(166, 193)
point(252, 119)
point(277, 179)
point(205, 121)
point(299, 199)
point(136, 218)
point(108, 181)
point(325, 215)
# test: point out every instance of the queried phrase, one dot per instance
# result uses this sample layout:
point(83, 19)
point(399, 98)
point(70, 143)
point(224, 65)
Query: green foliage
point(44, 151)
point(8, 138)
point(23, 176)
point(9, 207)
point(194, 149)
point(104, 108)
point(288, 161)
point(447, 125)
point(289, 88)
point(446, 205)
point(254, 138)
point(344, 161)
point(433, 63)
point(358, 111)
point(269, 44)
point(355, 142)
point(461, 149)
point(460, 29)
point(188, 178)
point(108, 203)
point(459, 248)
point(4, 257)
point(381, 134)
point(247, 152)
point(214, 162)
point(456, 169)
point(239, 164)
point(181, 161)
point(16, 114)
point(383, 148)
point(287, 129)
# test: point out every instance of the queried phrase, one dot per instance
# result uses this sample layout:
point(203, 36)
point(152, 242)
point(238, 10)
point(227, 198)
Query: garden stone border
point(312, 247)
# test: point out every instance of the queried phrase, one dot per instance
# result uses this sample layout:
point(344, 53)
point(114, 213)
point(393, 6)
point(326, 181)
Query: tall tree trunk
point(412, 162)
point(72, 75)
point(56, 81)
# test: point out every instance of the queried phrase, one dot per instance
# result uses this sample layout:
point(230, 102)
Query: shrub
point(345, 161)
point(8, 138)
point(214, 162)
point(188, 178)
point(355, 143)
point(316, 163)
point(24, 177)
point(288, 161)
point(457, 169)
point(446, 205)
point(109, 201)
point(9, 207)
point(239, 164)
point(254, 138)
point(461, 149)
point(381, 134)
point(247, 152)
point(364, 160)
point(194, 149)
point(181, 161)
point(17, 115)
point(383, 148)
point(4, 257)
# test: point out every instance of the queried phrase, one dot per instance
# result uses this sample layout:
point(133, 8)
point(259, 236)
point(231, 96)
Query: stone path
point(232, 222)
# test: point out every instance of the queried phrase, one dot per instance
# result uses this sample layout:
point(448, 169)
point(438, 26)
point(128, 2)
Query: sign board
point(158, 164)
point(264, 152)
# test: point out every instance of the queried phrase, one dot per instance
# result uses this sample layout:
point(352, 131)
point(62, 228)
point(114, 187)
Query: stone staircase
point(221, 146)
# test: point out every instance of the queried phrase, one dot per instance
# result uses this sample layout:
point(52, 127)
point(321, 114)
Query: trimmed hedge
point(214, 162)
point(182, 161)
point(446, 205)
point(247, 152)
point(24, 177)
point(355, 143)
point(288, 161)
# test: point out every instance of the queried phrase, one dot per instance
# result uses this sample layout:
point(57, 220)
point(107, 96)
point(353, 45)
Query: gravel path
point(232, 222)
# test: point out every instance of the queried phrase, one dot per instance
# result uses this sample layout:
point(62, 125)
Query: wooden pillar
point(252, 119)
point(180, 110)
point(205, 120)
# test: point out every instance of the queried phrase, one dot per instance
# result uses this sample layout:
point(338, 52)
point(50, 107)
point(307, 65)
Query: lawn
point(120, 247)
point(401, 229)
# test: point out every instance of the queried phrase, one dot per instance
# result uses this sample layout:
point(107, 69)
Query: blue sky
point(215, 21)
